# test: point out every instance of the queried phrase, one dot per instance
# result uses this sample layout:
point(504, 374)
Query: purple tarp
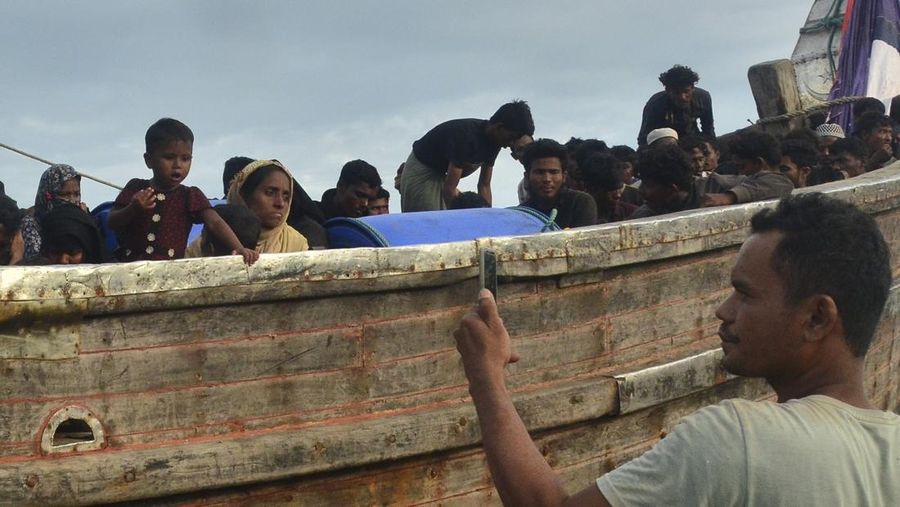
point(870, 55)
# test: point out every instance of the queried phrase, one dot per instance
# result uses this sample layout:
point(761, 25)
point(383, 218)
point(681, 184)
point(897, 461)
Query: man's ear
point(823, 318)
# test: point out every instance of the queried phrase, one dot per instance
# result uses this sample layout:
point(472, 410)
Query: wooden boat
point(331, 377)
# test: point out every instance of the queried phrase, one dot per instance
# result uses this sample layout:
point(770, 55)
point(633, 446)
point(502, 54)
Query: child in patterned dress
point(153, 217)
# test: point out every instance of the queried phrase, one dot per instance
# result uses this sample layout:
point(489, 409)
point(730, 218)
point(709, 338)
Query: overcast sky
point(317, 84)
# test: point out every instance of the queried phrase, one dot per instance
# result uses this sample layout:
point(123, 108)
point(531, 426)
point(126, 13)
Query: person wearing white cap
point(828, 133)
point(662, 137)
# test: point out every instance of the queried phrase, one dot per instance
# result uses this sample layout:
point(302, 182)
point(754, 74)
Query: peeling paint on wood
point(332, 377)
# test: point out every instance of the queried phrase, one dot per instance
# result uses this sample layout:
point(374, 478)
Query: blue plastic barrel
point(429, 227)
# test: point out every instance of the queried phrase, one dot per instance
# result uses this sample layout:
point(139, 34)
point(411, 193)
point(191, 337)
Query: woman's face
point(271, 199)
point(70, 191)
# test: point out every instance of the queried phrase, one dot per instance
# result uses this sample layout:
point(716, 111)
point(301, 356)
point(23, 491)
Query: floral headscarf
point(50, 185)
point(46, 199)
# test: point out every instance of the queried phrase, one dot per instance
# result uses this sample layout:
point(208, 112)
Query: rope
point(804, 112)
point(39, 159)
point(550, 220)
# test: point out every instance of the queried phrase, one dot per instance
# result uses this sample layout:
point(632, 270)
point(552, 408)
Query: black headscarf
point(68, 228)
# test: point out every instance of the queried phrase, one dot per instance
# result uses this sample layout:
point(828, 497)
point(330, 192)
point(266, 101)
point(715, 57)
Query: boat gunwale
point(185, 283)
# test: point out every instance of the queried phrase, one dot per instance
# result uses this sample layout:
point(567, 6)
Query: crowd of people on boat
point(679, 164)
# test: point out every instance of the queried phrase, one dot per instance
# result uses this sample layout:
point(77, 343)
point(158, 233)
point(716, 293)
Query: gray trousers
point(420, 187)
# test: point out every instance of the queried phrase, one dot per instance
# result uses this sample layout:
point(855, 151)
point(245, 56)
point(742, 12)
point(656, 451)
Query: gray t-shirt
point(810, 451)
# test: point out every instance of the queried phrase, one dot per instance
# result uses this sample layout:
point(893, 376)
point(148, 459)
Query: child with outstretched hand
point(153, 217)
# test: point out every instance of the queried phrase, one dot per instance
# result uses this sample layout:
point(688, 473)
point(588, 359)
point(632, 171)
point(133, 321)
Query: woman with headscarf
point(71, 236)
point(265, 187)
point(59, 184)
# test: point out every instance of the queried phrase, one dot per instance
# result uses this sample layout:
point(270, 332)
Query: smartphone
point(487, 272)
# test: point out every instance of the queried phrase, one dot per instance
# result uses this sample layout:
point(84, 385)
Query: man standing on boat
point(809, 287)
point(455, 149)
point(678, 106)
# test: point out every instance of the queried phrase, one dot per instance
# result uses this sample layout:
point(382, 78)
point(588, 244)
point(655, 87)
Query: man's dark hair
point(831, 247)
point(802, 153)
point(589, 147)
point(679, 76)
point(712, 141)
point(359, 171)
point(383, 194)
point(165, 131)
point(690, 142)
point(11, 221)
point(233, 166)
point(573, 143)
point(603, 172)
point(2, 188)
point(802, 134)
point(515, 116)
point(466, 200)
point(751, 144)
point(243, 222)
point(867, 105)
point(624, 153)
point(851, 145)
point(870, 122)
point(545, 148)
point(666, 165)
point(10, 214)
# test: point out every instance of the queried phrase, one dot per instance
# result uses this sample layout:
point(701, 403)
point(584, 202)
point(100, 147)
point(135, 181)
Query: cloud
point(317, 84)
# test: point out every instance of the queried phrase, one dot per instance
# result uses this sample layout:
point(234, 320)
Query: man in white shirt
point(809, 285)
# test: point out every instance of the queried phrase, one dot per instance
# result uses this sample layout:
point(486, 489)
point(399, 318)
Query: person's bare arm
point(142, 202)
point(723, 199)
point(484, 183)
point(878, 157)
point(221, 230)
point(16, 248)
point(451, 182)
point(520, 473)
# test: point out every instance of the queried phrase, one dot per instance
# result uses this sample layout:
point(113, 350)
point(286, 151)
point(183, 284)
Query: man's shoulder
point(657, 99)
point(643, 211)
point(574, 196)
point(465, 125)
point(328, 194)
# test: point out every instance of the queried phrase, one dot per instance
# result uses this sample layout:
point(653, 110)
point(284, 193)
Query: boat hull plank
point(324, 373)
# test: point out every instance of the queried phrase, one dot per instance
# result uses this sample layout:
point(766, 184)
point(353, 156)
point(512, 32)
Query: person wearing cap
point(827, 134)
point(661, 137)
point(679, 106)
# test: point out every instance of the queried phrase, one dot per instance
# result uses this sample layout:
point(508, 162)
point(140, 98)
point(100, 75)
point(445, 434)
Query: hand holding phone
point(487, 272)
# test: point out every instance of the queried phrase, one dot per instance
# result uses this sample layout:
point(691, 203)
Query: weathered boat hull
point(331, 377)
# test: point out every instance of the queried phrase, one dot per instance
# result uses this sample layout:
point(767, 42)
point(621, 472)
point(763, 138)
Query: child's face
point(170, 164)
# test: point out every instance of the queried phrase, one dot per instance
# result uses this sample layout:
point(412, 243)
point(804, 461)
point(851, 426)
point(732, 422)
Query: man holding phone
point(809, 287)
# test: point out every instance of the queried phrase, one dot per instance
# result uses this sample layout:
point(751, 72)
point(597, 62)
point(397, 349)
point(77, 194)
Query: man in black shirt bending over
point(545, 177)
point(455, 149)
point(679, 106)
